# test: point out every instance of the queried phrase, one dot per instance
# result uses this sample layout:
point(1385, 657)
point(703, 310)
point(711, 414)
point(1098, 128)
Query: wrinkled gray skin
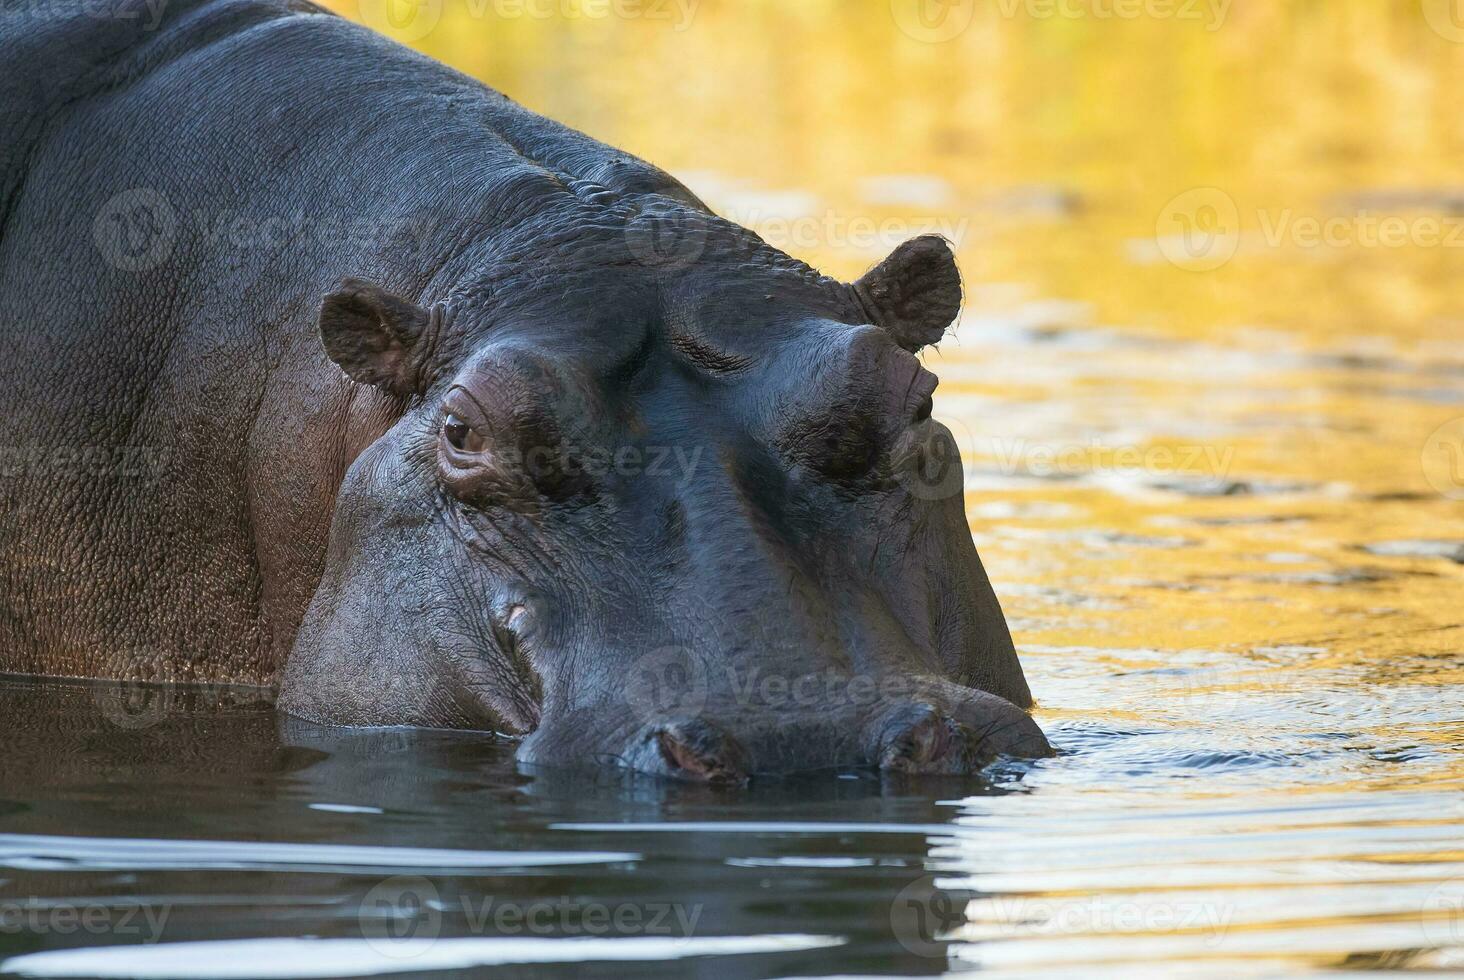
point(375, 386)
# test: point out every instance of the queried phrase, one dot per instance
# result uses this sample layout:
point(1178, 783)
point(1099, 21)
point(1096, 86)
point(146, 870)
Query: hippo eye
point(461, 436)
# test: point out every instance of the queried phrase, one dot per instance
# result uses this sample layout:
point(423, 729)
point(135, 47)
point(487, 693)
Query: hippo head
point(682, 510)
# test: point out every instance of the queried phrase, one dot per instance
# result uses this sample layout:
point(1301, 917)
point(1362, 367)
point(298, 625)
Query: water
point(153, 832)
point(1221, 506)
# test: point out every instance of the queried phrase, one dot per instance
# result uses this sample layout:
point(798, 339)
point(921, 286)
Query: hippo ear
point(915, 293)
point(375, 336)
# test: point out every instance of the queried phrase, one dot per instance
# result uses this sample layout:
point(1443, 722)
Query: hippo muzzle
point(900, 736)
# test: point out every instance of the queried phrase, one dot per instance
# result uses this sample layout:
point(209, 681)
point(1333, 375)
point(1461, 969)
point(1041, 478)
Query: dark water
point(171, 833)
point(181, 833)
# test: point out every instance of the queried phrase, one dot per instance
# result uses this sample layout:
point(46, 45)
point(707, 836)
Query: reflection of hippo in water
point(559, 452)
point(146, 784)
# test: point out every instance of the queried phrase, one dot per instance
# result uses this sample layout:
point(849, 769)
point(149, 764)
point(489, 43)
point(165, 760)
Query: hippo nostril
point(682, 760)
point(920, 743)
point(697, 751)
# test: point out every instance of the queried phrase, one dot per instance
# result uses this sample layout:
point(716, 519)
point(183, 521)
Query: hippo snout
point(950, 734)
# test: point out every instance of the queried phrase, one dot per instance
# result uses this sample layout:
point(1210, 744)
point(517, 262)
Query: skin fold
point(332, 370)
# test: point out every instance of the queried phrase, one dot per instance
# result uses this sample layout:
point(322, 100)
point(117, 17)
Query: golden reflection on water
point(1205, 384)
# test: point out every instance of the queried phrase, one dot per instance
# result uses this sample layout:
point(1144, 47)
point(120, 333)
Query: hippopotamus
point(329, 369)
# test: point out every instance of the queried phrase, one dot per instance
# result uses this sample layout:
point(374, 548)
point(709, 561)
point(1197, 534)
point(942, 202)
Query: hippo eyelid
point(482, 412)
